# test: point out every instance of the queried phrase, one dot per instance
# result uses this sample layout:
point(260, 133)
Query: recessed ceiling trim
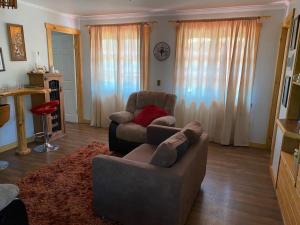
point(282, 4)
point(219, 10)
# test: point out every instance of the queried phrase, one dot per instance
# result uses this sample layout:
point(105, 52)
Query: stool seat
point(45, 108)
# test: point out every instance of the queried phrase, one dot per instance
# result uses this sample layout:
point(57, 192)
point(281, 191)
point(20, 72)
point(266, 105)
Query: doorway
point(64, 61)
point(64, 53)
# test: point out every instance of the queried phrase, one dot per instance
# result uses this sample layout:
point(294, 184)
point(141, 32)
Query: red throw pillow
point(148, 114)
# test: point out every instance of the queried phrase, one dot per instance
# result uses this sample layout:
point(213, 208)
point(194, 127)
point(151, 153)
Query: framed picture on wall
point(286, 89)
point(2, 66)
point(295, 32)
point(16, 42)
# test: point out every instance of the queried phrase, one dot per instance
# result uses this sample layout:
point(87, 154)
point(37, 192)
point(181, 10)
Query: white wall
point(165, 31)
point(295, 4)
point(33, 19)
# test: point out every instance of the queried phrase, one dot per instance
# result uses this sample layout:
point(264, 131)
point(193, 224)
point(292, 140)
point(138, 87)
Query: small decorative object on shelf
point(9, 4)
point(296, 78)
point(286, 89)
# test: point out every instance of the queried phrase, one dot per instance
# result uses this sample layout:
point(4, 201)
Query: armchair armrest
point(121, 117)
point(156, 134)
point(8, 192)
point(165, 121)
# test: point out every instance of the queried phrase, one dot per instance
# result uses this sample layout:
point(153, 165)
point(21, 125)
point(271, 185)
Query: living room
point(149, 112)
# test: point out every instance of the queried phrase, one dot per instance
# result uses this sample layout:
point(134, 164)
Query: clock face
point(161, 51)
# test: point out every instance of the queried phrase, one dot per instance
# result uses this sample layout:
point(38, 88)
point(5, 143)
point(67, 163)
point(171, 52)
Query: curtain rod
point(118, 24)
point(221, 19)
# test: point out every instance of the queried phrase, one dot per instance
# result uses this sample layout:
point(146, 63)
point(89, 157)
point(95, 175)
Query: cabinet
point(285, 167)
point(56, 121)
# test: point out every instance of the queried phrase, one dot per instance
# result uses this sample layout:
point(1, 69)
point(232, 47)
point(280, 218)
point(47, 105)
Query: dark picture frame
point(2, 65)
point(286, 90)
point(295, 32)
point(16, 42)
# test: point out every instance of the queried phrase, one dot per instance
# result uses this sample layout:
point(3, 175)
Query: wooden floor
point(237, 189)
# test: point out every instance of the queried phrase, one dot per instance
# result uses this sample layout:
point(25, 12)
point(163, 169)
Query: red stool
point(44, 110)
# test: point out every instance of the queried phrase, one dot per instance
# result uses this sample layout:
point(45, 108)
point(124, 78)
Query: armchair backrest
point(138, 100)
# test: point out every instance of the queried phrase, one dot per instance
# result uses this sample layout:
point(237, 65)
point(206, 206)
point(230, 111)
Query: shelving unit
point(296, 83)
point(290, 128)
point(56, 121)
point(285, 166)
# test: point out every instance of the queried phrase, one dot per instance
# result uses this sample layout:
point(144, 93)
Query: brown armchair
point(125, 135)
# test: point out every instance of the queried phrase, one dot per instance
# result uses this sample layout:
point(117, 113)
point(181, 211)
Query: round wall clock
point(161, 51)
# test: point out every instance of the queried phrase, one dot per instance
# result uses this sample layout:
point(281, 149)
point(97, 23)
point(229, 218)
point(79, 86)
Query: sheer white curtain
point(215, 63)
point(116, 68)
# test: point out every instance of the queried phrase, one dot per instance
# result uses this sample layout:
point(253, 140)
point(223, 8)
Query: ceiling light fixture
point(8, 3)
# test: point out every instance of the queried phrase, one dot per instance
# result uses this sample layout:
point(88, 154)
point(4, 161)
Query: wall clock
point(161, 51)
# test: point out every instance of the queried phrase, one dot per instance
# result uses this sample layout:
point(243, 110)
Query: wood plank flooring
point(237, 189)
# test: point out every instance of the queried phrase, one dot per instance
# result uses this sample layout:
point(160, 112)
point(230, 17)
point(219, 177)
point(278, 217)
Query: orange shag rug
point(61, 193)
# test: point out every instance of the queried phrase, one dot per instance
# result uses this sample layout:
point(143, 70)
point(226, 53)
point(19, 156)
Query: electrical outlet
point(158, 82)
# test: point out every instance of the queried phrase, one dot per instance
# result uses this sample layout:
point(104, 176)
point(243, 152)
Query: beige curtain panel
point(119, 66)
point(215, 65)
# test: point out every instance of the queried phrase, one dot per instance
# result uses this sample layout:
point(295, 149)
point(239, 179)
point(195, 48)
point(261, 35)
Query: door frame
point(78, 60)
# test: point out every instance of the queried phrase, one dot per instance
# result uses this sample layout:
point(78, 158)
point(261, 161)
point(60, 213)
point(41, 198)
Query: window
point(215, 62)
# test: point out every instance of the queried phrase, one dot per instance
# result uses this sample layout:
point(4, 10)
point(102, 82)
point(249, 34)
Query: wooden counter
point(18, 95)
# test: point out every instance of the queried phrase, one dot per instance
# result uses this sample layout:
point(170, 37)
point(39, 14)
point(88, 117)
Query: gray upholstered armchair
point(156, 183)
point(12, 209)
point(124, 135)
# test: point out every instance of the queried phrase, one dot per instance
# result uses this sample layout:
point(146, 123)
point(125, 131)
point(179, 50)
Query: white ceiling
point(103, 7)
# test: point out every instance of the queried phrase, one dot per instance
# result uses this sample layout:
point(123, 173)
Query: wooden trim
point(85, 121)
point(288, 24)
point(13, 145)
point(276, 87)
point(78, 60)
point(272, 177)
point(290, 128)
point(62, 29)
point(49, 46)
point(221, 19)
point(25, 91)
point(121, 24)
point(259, 146)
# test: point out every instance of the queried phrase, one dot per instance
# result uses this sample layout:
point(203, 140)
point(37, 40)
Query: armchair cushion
point(168, 121)
point(143, 153)
point(148, 114)
point(121, 117)
point(171, 150)
point(8, 192)
point(131, 132)
point(193, 131)
point(139, 100)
